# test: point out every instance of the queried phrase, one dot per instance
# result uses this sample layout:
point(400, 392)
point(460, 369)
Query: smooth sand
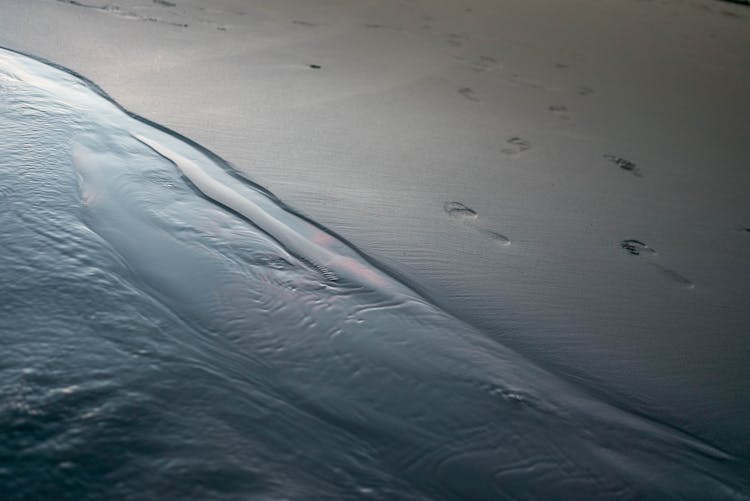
point(563, 127)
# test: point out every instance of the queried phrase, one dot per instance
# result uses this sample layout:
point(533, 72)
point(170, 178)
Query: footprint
point(375, 26)
point(485, 63)
point(519, 81)
point(314, 66)
point(79, 4)
point(116, 11)
point(164, 3)
point(160, 21)
point(304, 23)
point(469, 94)
point(455, 40)
point(560, 111)
point(426, 22)
point(211, 10)
point(526, 82)
point(517, 146)
point(562, 66)
point(458, 210)
point(674, 276)
point(637, 248)
point(585, 91)
point(624, 164)
point(495, 236)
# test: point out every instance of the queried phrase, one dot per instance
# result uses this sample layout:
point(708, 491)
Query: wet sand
point(570, 179)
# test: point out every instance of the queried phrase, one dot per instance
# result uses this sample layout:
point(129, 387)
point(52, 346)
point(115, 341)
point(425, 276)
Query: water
point(171, 330)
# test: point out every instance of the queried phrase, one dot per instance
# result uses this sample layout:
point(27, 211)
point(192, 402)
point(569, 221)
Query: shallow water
point(172, 330)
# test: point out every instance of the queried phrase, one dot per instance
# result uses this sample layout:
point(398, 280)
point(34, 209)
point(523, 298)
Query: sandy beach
point(570, 178)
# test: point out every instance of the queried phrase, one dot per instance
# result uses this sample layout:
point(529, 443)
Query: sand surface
point(570, 177)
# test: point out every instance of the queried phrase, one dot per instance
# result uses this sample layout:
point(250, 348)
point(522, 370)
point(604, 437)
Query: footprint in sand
point(455, 40)
point(426, 22)
point(469, 216)
point(583, 90)
point(637, 248)
point(300, 22)
point(560, 111)
point(469, 94)
point(117, 11)
point(520, 81)
point(499, 238)
point(376, 26)
point(459, 210)
point(624, 164)
point(485, 63)
point(516, 146)
point(674, 276)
